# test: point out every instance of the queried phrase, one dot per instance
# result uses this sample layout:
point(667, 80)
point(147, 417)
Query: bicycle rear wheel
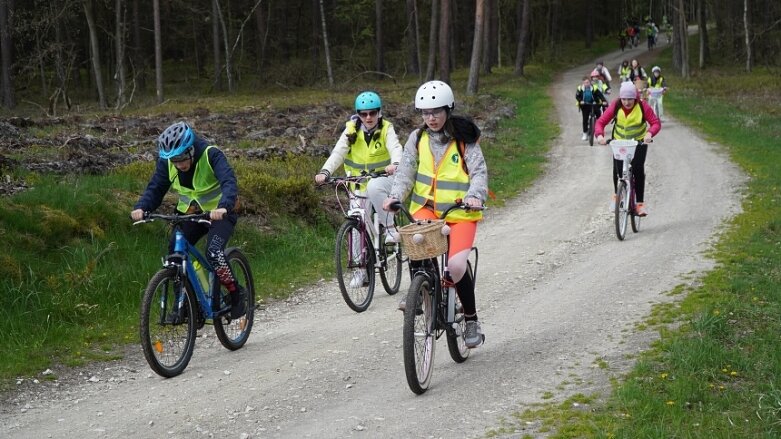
point(455, 335)
point(167, 331)
point(622, 210)
point(419, 334)
point(233, 333)
point(354, 265)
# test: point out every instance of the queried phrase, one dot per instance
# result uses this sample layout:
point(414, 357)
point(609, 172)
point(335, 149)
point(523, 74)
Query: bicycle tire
point(591, 122)
point(167, 347)
point(419, 338)
point(390, 274)
point(621, 210)
point(634, 219)
point(455, 339)
point(234, 333)
point(357, 298)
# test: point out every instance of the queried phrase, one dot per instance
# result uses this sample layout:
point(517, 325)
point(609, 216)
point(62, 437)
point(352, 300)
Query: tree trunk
point(9, 100)
point(95, 50)
point(477, 44)
point(432, 40)
point(485, 52)
point(412, 37)
point(138, 62)
point(523, 33)
point(261, 23)
point(444, 40)
point(703, 26)
point(228, 52)
point(684, 39)
point(326, 46)
point(119, 48)
point(747, 33)
point(589, 19)
point(380, 40)
point(158, 51)
point(215, 19)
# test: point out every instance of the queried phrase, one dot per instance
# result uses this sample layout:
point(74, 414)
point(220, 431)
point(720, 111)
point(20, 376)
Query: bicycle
point(626, 205)
point(361, 247)
point(182, 296)
point(432, 305)
point(592, 119)
point(655, 95)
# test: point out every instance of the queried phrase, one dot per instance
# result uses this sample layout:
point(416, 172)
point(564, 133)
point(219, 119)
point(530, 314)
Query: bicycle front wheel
point(622, 210)
point(233, 333)
point(591, 122)
point(390, 274)
point(633, 218)
point(455, 334)
point(354, 265)
point(168, 328)
point(419, 334)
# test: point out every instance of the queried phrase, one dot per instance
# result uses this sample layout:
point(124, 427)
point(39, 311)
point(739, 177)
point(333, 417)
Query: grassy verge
point(718, 372)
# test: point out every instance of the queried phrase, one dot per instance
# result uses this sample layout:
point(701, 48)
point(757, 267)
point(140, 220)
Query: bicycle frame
point(182, 260)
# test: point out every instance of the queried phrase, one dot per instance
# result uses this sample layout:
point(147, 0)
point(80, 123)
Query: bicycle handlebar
point(175, 218)
point(354, 178)
point(460, 204)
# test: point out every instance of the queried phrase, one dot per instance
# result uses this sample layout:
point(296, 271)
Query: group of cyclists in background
point(629, 35)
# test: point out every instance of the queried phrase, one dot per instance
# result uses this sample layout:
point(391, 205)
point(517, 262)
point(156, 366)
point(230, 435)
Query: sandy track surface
point(556, 291)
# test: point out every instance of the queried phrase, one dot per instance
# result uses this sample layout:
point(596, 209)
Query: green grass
point(716, 372)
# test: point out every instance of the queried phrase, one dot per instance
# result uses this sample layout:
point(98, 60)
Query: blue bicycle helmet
point(175, 140)
point(368, 100)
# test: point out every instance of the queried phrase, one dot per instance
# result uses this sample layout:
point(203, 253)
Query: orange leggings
point(462, 237)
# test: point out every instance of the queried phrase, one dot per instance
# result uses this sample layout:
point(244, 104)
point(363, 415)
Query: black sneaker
point(238, 302)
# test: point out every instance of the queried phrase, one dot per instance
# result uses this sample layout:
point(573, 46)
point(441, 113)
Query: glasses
point(365, 114)
point(432, 113)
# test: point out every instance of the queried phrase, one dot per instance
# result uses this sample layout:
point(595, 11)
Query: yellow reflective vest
point(206, 191)
point(367, 157)
point(441, 184)
point(630, 126)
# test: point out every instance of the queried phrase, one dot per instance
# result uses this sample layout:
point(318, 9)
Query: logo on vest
point(454, 158)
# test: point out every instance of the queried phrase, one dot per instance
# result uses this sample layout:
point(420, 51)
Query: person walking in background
point(443, 163)
point(633, 119)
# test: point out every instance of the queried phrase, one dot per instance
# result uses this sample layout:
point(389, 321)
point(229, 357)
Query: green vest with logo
point(371, 157)
point(206, 191)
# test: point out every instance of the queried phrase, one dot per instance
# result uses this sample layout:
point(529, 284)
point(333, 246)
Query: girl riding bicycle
point(368, 144)
point(200, 173)
point(442, 163)
point(589, 98)
point(631, 118)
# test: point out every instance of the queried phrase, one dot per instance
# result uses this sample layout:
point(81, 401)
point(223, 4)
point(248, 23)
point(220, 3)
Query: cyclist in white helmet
point(442, 163)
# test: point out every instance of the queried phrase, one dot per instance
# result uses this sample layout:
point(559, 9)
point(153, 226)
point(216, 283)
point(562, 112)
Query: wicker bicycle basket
point(433, 244)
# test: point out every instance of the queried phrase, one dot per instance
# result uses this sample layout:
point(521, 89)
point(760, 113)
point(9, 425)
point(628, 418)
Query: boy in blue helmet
point(204, 180)
point(368, 144)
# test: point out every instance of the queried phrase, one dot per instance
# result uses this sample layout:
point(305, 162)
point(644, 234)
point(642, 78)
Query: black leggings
point(217, 236)
point(638, 169)
point(585, 111)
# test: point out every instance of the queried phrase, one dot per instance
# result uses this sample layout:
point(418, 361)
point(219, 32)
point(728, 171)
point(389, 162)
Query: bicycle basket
point(623, 149)
point(433, 244)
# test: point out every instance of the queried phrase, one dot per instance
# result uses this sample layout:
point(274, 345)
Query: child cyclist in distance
point(634, 119)
point(368, 144)
point(589, 98)
point(442, 163)
point(203, 178)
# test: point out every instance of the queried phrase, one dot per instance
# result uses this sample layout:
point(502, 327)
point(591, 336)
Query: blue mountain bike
point(185, 295)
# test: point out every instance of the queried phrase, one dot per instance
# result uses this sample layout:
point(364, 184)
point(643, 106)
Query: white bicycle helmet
point(656, 69)
point(434, 94)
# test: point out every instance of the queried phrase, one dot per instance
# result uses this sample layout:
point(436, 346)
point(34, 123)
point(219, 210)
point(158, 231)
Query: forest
point(111, 54)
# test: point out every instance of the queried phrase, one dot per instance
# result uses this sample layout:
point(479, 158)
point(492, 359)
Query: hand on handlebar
point(473, 202)
point(601, 140)
point(388, 204)
point(218, 214)
point(320, 178)
point(137, 214)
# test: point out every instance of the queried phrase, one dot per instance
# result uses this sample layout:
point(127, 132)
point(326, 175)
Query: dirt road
point(556, 291)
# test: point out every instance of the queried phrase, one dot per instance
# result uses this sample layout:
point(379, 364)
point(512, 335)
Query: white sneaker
point(584, 136)
point(359, 279)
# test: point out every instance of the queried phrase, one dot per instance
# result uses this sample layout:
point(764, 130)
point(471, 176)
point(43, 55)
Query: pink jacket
point(610, 112)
